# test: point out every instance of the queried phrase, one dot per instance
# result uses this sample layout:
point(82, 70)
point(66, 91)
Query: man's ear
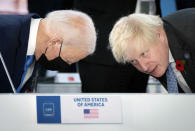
point(56, 40)
point(161, 34)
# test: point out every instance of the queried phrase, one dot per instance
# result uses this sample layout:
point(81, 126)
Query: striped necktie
point(29, 61)
point(171, 80)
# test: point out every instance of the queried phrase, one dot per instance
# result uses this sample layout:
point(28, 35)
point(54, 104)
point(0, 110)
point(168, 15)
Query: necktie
point(171, 80)
point(29, 61)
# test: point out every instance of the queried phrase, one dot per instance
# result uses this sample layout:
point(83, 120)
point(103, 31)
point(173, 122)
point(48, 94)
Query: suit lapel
point(22, 48)
point(31, 83)
point(178, 49)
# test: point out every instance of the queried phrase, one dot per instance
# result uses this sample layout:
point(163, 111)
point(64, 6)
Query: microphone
point(7, 73)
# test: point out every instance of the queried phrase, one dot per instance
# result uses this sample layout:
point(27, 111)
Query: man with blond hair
point(163, 48)
point(63, 37)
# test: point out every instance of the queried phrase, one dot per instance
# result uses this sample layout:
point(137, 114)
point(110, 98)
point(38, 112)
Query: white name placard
point(91, 109)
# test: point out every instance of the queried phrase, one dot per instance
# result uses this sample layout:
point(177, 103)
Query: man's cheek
point(138, 68)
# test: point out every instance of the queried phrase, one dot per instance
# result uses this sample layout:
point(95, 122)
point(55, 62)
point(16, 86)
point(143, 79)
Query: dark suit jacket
point(180, 30)
point(14, 35)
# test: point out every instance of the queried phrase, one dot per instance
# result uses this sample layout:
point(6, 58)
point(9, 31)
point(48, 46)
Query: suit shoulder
point(9, 20)
point(181, 15)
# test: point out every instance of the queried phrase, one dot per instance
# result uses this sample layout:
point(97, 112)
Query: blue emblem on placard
point(48, 109)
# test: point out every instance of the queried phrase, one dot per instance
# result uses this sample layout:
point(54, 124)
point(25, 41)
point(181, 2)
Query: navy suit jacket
point(14, 35)
point(180, 31)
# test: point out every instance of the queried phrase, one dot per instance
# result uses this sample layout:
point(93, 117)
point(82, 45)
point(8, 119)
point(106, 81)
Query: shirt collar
point(171, 59)
point(33, 36)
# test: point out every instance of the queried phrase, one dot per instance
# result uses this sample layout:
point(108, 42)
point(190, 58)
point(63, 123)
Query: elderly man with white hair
point(63, 37)
point(163, 48)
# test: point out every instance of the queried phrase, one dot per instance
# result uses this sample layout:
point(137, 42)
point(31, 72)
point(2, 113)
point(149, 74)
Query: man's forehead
point(135, 49)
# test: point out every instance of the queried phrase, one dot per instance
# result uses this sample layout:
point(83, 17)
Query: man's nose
point(143, 66)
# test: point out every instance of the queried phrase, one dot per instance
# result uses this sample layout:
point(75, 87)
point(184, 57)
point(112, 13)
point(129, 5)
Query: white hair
point(139, 28)
point(76, 29)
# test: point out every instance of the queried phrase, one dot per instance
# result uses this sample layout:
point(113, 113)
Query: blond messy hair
point(139, 28)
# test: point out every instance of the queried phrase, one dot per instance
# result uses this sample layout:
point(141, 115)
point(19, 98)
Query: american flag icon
point(91, 113)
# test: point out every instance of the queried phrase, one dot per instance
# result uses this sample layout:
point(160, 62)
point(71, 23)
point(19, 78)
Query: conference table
point(140, 112)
